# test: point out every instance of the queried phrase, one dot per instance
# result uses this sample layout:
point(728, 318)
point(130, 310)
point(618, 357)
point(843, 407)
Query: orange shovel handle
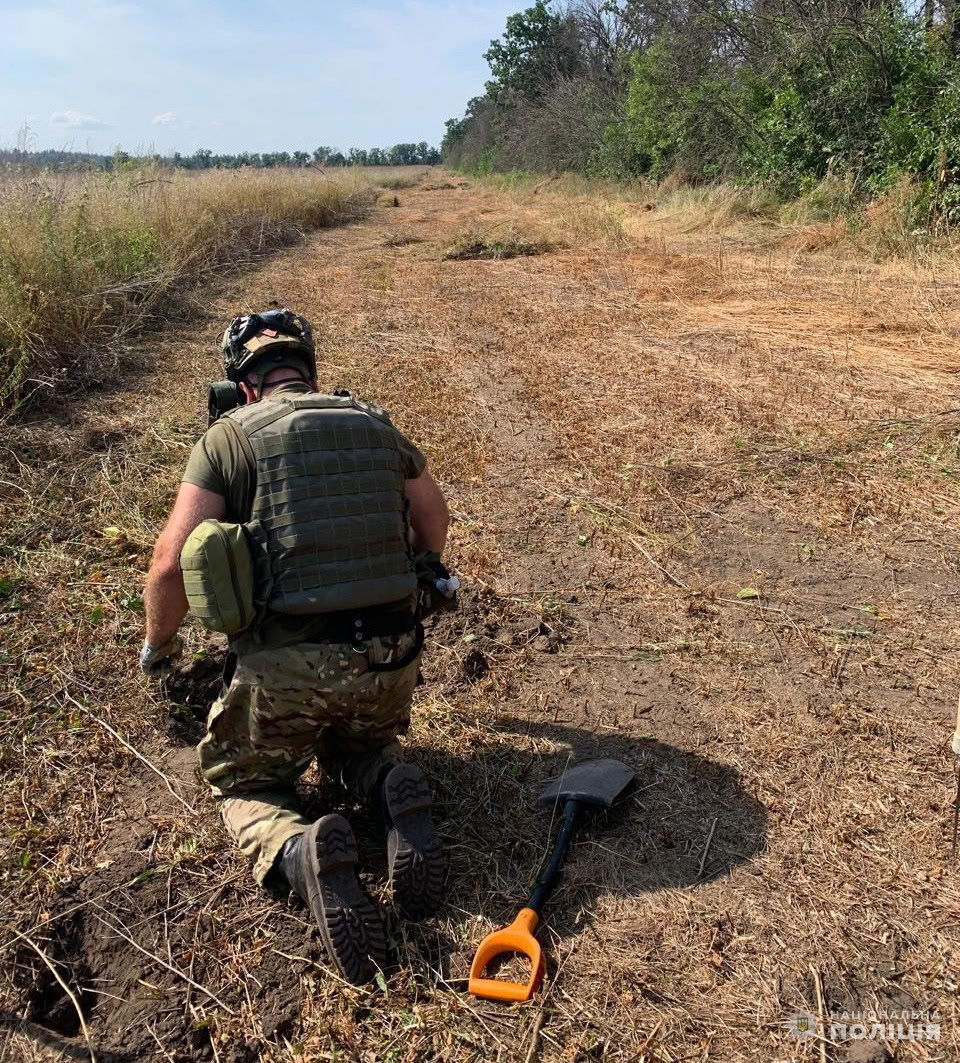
point(518, 939)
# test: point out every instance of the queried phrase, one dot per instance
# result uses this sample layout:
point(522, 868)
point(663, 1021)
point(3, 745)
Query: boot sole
point(416, 860)
point(349, 922)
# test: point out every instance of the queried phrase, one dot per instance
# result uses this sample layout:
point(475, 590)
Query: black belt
point(357, 628)
point(362, 624)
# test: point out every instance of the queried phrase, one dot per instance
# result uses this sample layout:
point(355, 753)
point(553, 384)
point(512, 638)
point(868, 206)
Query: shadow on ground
point(685, 820)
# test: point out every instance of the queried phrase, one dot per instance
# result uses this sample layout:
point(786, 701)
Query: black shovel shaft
point(548, 877)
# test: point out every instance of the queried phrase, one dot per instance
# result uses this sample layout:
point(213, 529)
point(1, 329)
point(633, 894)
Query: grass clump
point(402, 240)
point(88, 259)
point(508, 243)
point(715, 207)
point(393, 182)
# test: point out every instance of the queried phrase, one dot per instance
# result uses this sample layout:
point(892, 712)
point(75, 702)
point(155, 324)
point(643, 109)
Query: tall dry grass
point(88, 259)
point(896, 226)
point(830, 217)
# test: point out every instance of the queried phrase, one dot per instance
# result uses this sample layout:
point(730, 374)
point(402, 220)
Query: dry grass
point(401, 239)
point(501, 241)
point(577, 210)
point(398, 177)
point(830, 217)
point(631, 433)
point(86, 261)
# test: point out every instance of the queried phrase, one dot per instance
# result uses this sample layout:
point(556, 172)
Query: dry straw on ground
point(501, 241)
point(705, 506)
point(830, 216)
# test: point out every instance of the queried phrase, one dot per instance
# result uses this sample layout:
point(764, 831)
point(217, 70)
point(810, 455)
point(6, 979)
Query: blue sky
point(234, 75)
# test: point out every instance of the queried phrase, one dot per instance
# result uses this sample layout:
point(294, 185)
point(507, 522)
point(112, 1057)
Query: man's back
point(329, 503)
point(226, 460)
point(222, 460)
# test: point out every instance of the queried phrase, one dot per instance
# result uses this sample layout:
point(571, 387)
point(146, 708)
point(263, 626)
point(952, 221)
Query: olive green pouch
point(218, 579)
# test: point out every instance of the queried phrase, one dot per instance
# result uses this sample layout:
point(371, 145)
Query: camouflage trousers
point(282, 708)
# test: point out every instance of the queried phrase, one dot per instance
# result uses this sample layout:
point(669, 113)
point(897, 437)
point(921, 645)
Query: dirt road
point(705, 502)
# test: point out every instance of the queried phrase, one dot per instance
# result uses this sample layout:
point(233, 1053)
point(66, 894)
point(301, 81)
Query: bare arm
point(164, 600)
point(429, 516)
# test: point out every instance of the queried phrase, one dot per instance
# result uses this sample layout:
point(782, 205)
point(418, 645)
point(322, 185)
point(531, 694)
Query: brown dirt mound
point(191, 687)
point(136, 970)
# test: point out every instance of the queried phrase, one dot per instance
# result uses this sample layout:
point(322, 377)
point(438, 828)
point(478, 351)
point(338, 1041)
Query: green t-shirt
point(222, 461)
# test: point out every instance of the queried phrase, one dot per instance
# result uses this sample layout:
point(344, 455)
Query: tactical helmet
point(267, 341)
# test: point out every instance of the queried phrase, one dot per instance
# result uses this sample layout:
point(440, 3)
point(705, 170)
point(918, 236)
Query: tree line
point(420, 154)
point(784, 92)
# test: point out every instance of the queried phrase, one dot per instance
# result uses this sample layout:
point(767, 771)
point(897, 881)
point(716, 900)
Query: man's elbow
point(433, 513)
point(165, 564)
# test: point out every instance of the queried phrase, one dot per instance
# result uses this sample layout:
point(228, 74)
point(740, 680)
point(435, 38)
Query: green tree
point(677, 119)
point(537, 46)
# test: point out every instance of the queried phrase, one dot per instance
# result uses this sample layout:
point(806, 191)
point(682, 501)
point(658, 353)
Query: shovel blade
point(593, 782)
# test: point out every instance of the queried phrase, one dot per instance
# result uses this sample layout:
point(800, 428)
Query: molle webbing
point(330, 502)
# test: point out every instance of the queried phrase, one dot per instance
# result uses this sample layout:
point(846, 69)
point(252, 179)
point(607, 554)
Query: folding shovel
point(593, 783)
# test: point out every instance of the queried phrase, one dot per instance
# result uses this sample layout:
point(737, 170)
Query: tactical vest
point(329, 508)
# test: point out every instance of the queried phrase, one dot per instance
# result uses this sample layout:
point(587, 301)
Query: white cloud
point(77, 120)
point(165, 118)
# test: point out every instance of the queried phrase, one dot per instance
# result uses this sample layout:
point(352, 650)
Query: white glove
point(447, 587)
point(154, 659)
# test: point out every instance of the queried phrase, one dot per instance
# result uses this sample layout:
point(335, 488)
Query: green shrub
point(850, 102)
point(920, 135)
point(677, 121)
point(829, 199)
point(617, 158)
point(865, 102)
point(479, 164)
